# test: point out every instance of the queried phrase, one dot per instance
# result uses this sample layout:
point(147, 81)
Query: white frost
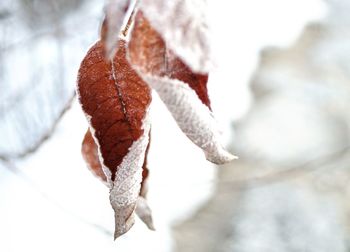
point(126, 187)
point(184, 27)
point(144, 212)
point(115, 13)
point(192, 116)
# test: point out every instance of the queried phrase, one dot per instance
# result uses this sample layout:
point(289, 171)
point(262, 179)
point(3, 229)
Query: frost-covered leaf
point(116, 100)
point(143, 210)
point(126, 187)
point(148, 51)
point(193, 118)
point(184, 92)
point(145, 171)
point(183, 24)
point(90, 154)
point(115, 11)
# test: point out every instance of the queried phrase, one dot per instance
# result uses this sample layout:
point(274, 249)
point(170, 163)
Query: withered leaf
point(145, 171)
point(184, 92)
point(184, 27)
point(143, 210)
point(90, 154)
point(116, 100)
point(148, 51)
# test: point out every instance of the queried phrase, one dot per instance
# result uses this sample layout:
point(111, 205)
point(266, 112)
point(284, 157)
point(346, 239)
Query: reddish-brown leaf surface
point(183, 92)
point(148, 51)
point(115, 100)
point(90, 154)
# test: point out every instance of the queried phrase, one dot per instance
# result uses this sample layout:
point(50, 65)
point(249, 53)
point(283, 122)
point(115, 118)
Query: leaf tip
point(144, 212)
point(124, 220)
point(148, 220)
point(220, 156)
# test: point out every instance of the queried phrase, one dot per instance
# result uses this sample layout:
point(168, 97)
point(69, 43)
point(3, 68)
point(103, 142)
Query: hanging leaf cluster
point(163, 47)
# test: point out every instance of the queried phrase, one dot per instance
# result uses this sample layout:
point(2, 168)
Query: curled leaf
point(184, 92)
point(90, 155)
point(148, 51)
point(145, 172)
point(143, 210)
point(183, 24)
point(116, 101)
point(193, 118)
point(126, 187)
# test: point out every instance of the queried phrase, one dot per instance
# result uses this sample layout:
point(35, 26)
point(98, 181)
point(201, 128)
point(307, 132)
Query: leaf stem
point(128, 24)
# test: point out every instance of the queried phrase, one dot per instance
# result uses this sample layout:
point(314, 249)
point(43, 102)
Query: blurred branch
point(291, 172)
point(46, 135)
point(36, 90)
point(4, 14)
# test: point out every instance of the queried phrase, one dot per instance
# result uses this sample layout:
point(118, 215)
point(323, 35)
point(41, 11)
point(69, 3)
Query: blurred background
point(280, 90)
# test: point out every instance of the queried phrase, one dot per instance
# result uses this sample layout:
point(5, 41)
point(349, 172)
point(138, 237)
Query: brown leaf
point(116, 100)
point(148, 51)
point(90, 154)
point(143, 210)
point(145, 171)
point(183, 92)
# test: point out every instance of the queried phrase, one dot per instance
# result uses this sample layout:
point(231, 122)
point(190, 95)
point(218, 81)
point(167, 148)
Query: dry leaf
point(184, 27)
point(148, 51)
point(90, 154)
point(116, 101)
point(184, 92)
point(143, 210)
